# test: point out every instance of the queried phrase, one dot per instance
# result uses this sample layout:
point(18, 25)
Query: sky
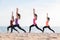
point(52, 7)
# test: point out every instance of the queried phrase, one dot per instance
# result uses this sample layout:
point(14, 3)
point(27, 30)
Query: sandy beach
point(29, 36)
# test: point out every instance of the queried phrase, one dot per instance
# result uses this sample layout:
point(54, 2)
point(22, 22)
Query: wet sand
point(29, 36)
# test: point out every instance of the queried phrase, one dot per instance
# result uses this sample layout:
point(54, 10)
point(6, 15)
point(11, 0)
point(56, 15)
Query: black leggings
point(19, 27)
point(48, 28)
point(35, 26)
point(11, 28)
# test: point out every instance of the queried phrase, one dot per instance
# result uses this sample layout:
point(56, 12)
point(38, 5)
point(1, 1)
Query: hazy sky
point(52, 7)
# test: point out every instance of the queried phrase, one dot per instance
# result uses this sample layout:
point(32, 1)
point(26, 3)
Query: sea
point(3, 29)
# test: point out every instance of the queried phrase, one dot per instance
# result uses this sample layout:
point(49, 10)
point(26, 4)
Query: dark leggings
point(19, 27)
point(48, 28)
point(11, 28)
point(35, 26)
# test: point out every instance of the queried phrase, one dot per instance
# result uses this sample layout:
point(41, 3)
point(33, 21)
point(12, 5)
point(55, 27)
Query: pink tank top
point(47, 23)
point(34, 21)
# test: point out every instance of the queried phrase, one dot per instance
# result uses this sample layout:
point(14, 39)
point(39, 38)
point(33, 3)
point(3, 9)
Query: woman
point(11, 24)
point(18, 16)
point(47, 24)
point(34, 22)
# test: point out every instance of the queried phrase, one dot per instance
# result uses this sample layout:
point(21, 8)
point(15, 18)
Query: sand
point(29, 36)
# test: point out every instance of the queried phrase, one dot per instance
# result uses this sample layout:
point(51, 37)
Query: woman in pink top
point(47, 25)
point(34, 22)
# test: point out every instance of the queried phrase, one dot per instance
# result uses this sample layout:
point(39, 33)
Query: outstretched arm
point(12, 16)
point(33, 11)
point(17, 14)
point(47, 14)
point(16, 11)
point(12, 13)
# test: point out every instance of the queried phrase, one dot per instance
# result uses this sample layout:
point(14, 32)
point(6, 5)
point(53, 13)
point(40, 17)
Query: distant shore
point(29, 36)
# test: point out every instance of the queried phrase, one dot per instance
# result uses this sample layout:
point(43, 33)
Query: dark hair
point(35, 15)
point(19, 15)
point(48, 18)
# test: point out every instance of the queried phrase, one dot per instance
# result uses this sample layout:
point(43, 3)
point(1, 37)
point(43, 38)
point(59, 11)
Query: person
point(11, 24)
point(34, 22)
point(47, 24)
point(18, 16)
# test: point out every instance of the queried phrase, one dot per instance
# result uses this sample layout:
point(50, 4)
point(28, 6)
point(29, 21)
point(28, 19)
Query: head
point(48, 18)
point(35, 16)
point(18, 16)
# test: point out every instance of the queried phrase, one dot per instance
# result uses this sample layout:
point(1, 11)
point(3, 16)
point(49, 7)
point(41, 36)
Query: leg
point(21, 28)
point(44, 28)
point(15, 29)
point(11, 29)
point(8, 28)
point(51, 29)
point(30, 28)
point(38, 28)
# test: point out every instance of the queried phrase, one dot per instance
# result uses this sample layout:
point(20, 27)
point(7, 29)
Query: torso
point(34, 21)
point(11, 22)
point(16, 21)
point(47, 23)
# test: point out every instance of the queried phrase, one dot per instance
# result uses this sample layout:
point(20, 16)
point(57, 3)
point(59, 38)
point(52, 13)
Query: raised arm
point(33, 11)
point(47, 14)
point(12, 13)
point(16, 10)
point(12, 16)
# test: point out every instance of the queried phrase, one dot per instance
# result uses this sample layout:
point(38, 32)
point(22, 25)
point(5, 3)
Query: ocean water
point(33, 29)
